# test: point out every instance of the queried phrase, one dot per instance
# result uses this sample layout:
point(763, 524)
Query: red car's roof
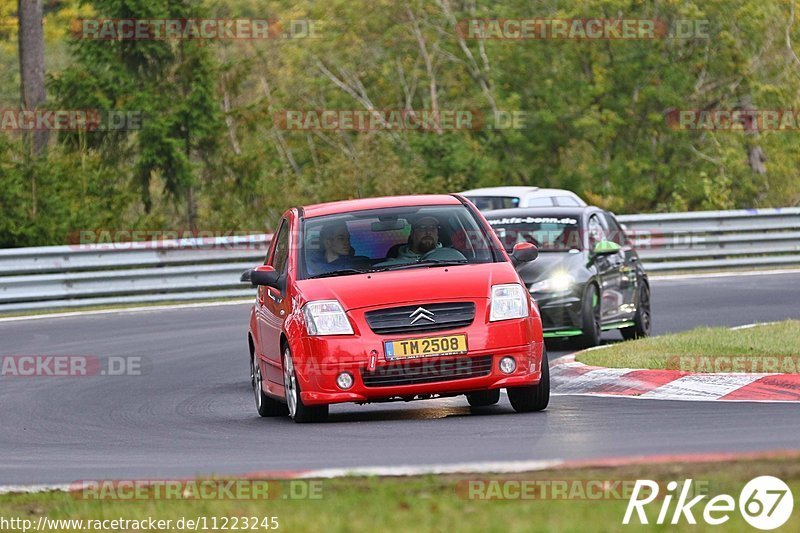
point(345, 206)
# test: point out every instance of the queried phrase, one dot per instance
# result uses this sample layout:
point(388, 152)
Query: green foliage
point(209, 153)
point(170, 83)
point(72, 191)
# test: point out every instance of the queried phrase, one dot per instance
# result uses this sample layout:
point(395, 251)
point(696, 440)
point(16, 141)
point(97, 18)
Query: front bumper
point(324, 358)
point(527, 373)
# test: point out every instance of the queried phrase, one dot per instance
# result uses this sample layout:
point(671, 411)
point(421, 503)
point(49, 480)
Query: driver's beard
point(426, 245)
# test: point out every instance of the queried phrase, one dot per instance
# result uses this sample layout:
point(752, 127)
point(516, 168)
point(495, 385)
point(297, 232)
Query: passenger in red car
point(336, 253)
point(335, 241)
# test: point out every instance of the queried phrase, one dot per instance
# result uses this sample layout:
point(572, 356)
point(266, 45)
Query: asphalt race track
point(192, 412)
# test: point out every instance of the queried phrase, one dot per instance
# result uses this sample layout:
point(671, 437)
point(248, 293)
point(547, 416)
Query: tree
point(170, 83)
point(31, 66)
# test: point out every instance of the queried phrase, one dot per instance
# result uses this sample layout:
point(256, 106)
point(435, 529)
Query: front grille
point(427, 371)
point(398, 319)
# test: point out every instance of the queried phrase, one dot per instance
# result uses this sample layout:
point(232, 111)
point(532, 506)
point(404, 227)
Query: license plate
point(426, 347)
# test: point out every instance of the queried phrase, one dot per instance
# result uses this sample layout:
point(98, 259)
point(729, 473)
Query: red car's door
point(272, 308)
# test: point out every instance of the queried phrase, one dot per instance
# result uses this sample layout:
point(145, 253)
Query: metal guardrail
point(55, 277)
point(716, 240)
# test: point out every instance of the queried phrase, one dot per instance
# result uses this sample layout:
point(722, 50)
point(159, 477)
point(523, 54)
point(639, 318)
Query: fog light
point(344, 381)
point(507, 365)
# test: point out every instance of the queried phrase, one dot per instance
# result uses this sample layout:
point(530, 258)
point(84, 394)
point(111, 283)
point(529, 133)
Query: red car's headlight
point(508, 301)
point(326, 317)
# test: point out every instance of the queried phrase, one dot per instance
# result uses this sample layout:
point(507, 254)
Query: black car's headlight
point(558, 282)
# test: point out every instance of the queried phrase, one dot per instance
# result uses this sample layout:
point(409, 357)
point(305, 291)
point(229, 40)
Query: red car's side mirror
point(262, 275)
point(524, 252)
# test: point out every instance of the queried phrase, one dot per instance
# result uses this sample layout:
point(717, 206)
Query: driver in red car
point(423, 239)
point(423, 245)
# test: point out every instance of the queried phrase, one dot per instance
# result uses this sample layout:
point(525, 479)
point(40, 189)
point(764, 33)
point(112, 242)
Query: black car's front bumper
point(561, 313)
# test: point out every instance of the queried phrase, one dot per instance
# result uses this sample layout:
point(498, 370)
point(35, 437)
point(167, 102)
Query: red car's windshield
point(392, 238)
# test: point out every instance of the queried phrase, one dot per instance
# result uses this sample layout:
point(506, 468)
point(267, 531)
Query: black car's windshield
point(392, 239)
point(549, 234)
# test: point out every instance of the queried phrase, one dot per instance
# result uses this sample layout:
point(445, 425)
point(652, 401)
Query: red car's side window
point(280, 254)
point(274, 244)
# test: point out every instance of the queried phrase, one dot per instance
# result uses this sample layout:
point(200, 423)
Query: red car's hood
point(409, 286)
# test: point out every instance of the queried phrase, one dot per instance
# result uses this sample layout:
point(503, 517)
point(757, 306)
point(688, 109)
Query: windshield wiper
point(341, 272)
point(444, 261)
point(425, 263)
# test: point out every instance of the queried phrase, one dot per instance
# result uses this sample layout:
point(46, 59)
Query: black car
point(587, 279)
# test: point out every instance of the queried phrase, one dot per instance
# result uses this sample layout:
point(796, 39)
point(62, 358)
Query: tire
point(590, 317)
point(484, 398)
point(642, 321)
point(298, 411)
point(265, 405)
point(533, 398)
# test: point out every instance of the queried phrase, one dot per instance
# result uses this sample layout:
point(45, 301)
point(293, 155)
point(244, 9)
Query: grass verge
point(441, 503)
point(764, 348)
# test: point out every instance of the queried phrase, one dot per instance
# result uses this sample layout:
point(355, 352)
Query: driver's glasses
point(427, 227)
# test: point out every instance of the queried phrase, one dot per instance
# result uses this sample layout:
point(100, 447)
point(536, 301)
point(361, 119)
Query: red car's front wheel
point(299, 412)
point(535, 397)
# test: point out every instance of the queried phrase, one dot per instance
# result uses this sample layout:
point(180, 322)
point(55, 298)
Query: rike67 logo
point(765, 503)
